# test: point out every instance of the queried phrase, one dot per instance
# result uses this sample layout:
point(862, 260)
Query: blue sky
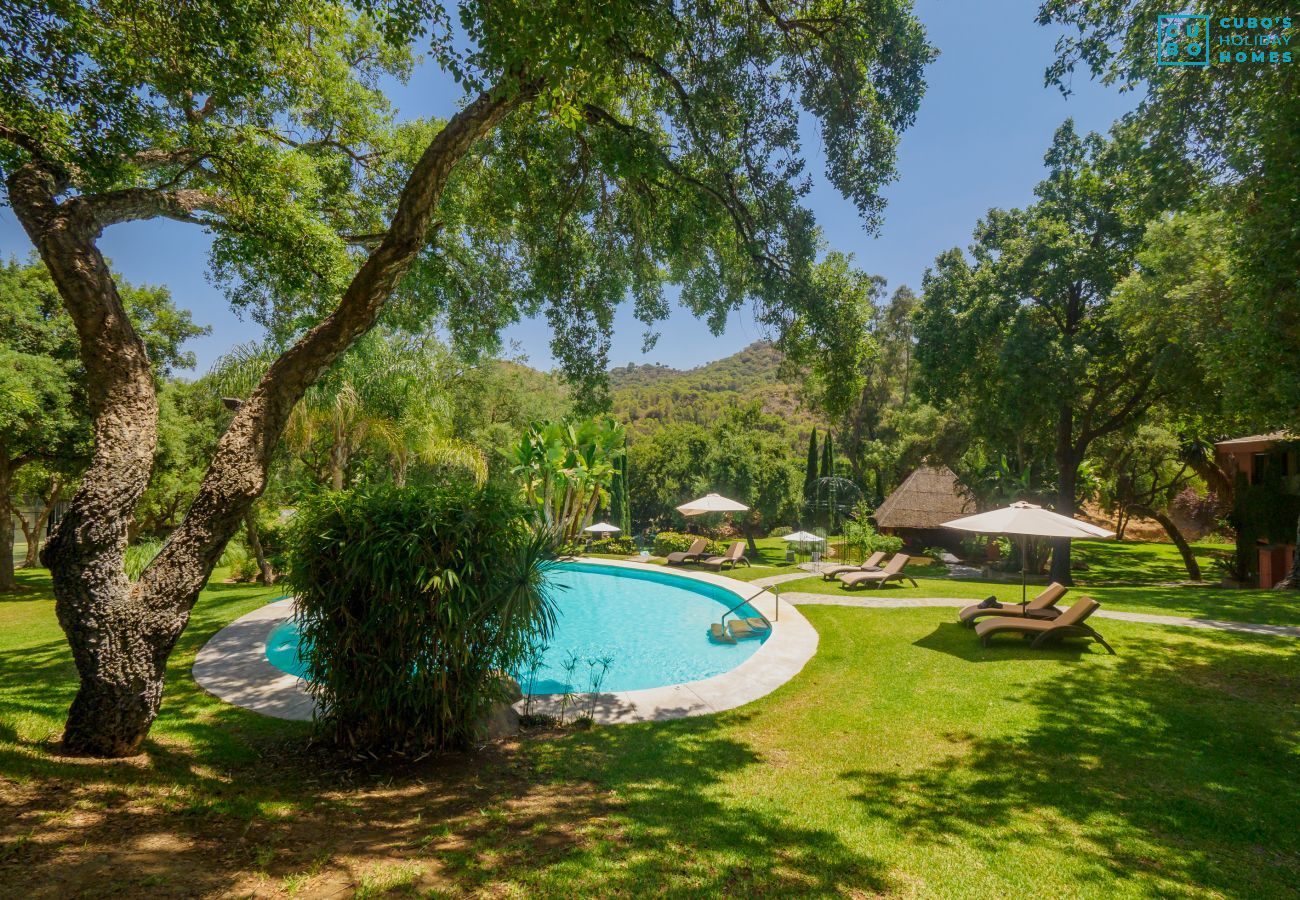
point(978, 142)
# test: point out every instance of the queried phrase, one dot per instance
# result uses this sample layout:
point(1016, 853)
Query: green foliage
point(1244, 156)
point(138, 556)
point(862, 536)
point(1023, 338)
point(620, 546)
point(670, 110)
point(566, 469)
point(666, 467)
point(750, 462)
point(44, 416)
point(676, 542)
point(412, 603)
point(650, 397)
point(743, 455)
point(810, 468)
point(618, 505)
point(780, 531)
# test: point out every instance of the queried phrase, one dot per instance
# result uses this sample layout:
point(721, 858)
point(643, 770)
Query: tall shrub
point(412, 602)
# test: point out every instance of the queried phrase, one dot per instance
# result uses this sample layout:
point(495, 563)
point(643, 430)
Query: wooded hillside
point(647, 396)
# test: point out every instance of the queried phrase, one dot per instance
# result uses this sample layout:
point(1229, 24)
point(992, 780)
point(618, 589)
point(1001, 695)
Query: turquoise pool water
point(654, 625)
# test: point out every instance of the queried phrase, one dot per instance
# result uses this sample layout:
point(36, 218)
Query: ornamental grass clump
point(412, 603)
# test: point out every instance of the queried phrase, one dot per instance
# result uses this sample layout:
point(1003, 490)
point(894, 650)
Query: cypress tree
point(623, 513)
point(828, 457)
point(810, 470)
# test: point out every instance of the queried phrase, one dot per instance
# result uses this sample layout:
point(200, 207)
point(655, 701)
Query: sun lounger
point(891, 572)
point(871, 564)
point(733, 557)
point(1041, 607)
point(1070, 623)
point(698, 546)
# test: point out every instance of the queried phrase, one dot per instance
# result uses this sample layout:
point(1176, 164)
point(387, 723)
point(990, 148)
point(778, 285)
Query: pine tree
point(810, 471)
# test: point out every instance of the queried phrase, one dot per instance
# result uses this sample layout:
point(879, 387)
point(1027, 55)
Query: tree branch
point(237, 473)
point(132, 204)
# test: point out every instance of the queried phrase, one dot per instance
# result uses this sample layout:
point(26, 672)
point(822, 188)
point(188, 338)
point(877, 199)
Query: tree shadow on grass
point(1204, 602)
point(957, 640)
point(1154, 768)
point(224, 801)
point(615, 811)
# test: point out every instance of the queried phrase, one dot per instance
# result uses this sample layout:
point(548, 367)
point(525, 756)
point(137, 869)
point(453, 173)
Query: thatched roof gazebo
point(917, 509)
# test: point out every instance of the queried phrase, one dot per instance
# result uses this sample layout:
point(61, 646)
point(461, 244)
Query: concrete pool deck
point(232, 666)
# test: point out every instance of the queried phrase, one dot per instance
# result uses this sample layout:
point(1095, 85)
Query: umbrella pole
point(1024, 590)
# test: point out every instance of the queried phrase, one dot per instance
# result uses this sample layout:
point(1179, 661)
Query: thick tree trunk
point(119, 641)
point(1067, 465)
point(122, 633)
point(7, 580)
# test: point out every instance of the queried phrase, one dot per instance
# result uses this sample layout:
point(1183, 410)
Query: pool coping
point(232, 666)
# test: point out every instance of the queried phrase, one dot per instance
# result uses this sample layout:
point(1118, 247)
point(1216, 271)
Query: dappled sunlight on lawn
point(905, 758)
point(1168, 768)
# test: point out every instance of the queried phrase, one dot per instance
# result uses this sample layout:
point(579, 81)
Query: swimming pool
point(652, 625)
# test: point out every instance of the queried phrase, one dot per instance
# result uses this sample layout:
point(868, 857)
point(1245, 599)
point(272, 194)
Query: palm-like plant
point(386, 392)
point(567, 469)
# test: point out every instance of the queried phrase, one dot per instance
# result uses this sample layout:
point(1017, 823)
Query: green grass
point(38, 680)
point(1144, 593)
point(1231, 604)
point(903, 760)
point(1132, 562)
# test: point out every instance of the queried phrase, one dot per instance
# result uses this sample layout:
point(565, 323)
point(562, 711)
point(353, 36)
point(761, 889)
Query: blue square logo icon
point(1183, 40)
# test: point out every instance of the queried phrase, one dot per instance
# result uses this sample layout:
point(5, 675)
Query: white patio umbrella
point(1027, 520)
point(802, 537)
point(603, 528)
point(711, 503)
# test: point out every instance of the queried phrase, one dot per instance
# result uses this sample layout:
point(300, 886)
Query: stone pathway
point(798, 598)
point(770, 580)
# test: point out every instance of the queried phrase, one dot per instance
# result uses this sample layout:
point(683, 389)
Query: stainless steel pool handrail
point(723, 620)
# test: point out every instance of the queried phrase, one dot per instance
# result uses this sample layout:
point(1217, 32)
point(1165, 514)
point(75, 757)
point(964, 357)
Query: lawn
point(1135, 562)
point(1144, 587)
point(903, 760)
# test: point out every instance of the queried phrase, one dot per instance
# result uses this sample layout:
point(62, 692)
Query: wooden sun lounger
point(870, 564)
point(733, 557)
point(698, 546)
point(1041, 607)
point(1070, 623)
point(891, 572)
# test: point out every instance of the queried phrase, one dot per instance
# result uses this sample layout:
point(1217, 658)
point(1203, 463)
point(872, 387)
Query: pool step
point(739, 630)
point(720, 635)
